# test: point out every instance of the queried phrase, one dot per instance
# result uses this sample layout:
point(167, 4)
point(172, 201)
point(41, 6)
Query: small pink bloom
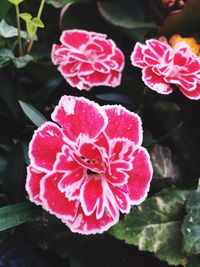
point(168, 3)
point(88, 59)
point(89, 165)
point(163, 66)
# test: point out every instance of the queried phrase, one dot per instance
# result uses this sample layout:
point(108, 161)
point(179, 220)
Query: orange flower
point(195, 47)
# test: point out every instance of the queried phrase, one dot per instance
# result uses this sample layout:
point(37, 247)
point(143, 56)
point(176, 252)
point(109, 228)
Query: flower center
point(91, 55)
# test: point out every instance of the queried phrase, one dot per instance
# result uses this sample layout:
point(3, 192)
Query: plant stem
point(30, 46)
point(19, 31)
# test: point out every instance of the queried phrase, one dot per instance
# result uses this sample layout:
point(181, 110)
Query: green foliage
point(16, 214)
point(5, 6)
point(16, 2)
point(8, 31)
point(61, 3)
point(153, 225)
point(31, 23)
point(34, 115)
point(116, 16)
point(191, 224)
point(7, 55)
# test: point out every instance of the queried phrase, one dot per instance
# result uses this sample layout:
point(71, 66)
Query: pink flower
point(168, 3)
point(88, 59)
point(89, 165)
point(163, 66)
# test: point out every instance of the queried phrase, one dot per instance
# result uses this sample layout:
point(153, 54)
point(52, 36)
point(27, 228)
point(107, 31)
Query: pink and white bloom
point(88, 59)
point(88, 166)
point(163, 66)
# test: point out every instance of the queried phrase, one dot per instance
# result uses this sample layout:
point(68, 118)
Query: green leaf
point(21, 62)
point(191, 224)
point(13, 183)
point(25, 16)
point(13, 215)
point(8, 31)
point(182, 21)
point(62, 3)
point(15, 2)
point(31, 28)
point(33, 114)
point(38, 22)
point(164, 164)
point(5, 56)
point(117, 17)
point(193, 261)
point(153, 225)
point(8, 93)
point(5, 6)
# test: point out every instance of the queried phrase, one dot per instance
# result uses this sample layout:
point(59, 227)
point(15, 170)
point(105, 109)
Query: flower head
point(88, 59)
point(88, 166)
point(163, 65)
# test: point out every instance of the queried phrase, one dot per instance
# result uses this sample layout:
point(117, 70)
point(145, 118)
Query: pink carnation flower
point(88, 166)
point(88, 59)
point(163, 66)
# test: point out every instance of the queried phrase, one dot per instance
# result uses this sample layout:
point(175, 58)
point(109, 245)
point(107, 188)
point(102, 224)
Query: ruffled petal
point(140, 177)
point(92, 196)
point(156, 82)
point(46, 142)
point(55, 201)
point(33, 180)
point(78, 116)
point(123, 123)
point(137, 56)
point(83, 224)
point(74, 38)
point(194, 94)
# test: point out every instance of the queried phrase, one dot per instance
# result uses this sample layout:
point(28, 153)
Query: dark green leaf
point(191, 224)
point(21, 62)
point(5, 56)
point(182, 21)
point(13, 215)
point(8, 31)
point(9, 95)
point(193, 261)
point(153, 225)
point(13, 183)
point(116, 16)
point(33, 114)
point(5, 6)
point(164, 164)
point(61, 3)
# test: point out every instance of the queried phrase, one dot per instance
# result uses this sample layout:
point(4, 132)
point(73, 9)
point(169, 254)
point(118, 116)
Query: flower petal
point(33, 180)
point(194, 94)
point(121, 198)
point(74, 38)
point(140, 176)
point(78, 116)
point(92, 196)
point(46, 142)
point(123, 123)
point(137, 56)
point(55, 201)
point(84, 224)
point(155, 82)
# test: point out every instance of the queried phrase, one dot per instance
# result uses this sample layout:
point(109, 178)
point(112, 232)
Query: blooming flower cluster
point(88, 166)
point(163, 65)
point(88, 59)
